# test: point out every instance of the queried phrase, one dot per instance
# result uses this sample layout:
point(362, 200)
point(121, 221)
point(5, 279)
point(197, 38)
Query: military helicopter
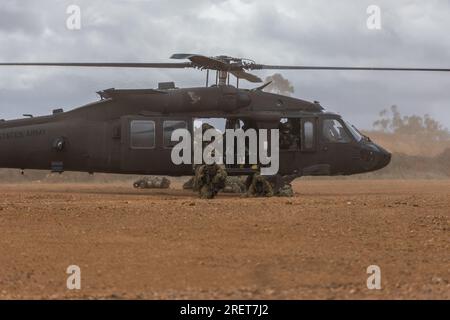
point(129, 131)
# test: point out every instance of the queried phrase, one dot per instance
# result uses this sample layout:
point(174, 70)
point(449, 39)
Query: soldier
point(191, 183)
point(286, 191)
point(152, 182)
point(234, 185)
point(206, 127)
point(282, 186)
point(260, 187)
point(209, 180)
point(287, 138)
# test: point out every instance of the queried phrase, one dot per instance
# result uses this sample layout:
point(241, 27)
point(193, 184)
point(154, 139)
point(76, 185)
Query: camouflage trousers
point(209, 180)
point(259, 187)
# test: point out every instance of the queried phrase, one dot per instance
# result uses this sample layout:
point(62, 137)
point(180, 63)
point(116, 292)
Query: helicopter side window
point(142, 134)
point(334, 131)
point(170, 126)
point(308, 135)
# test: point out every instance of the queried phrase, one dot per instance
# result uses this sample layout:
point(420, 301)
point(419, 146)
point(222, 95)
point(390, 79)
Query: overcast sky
point(314, 32)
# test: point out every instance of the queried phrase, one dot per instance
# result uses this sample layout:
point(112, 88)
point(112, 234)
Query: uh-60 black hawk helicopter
point(129, 131)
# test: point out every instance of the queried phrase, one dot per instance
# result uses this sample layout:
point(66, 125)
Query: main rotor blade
point(247, 76)
point(101, 65)
point(202, 62)
point(269, 67)
point(183, 55)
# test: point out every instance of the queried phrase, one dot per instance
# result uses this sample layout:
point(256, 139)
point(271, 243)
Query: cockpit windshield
point(355, 132)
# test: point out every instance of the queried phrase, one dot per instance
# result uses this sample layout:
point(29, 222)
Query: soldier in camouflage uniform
point(209, 180)
point(234, 185)
point(282, 186)
point(152, 182)
point(287, 138)
point(259, 187)
point(286, 191)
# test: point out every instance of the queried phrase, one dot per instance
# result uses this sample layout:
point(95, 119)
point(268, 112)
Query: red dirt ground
point(168, 244)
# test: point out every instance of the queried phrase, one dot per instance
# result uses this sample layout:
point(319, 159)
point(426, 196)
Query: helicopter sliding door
point(165, 145)
point(146, 146)
point(139, 149)
point(289, 144)
point(298, 146)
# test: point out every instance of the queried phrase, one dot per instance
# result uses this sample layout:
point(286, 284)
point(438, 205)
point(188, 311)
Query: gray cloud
point(414, 33)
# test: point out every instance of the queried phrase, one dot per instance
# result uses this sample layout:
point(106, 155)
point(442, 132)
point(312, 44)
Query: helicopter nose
point(374, 157)
point(384, 158)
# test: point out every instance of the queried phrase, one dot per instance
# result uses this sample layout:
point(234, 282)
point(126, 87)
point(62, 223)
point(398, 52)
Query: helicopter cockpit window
point(169, 127)
point(334, 131)
point(142, 133)
point(355, 132)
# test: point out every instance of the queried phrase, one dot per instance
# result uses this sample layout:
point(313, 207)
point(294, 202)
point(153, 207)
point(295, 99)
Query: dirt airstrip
point(168, 244)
